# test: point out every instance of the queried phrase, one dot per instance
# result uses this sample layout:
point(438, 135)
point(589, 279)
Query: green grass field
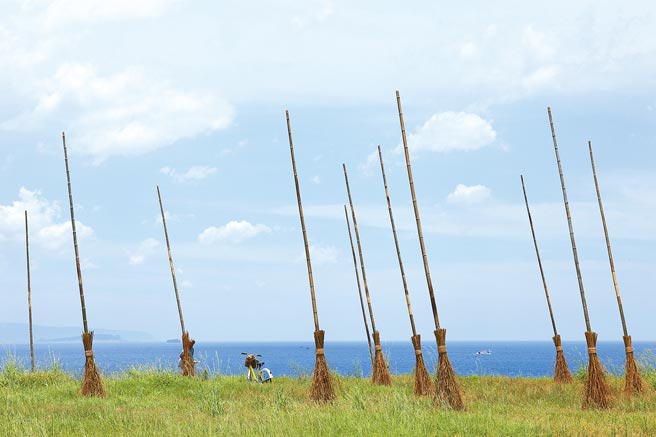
point(160, 403)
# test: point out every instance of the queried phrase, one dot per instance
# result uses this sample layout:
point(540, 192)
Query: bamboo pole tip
point(397, 93)
point(63, 134)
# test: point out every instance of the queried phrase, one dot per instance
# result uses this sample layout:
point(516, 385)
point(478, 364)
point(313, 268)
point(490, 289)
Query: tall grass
point(157, 401)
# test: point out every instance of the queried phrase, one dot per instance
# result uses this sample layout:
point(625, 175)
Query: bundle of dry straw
point(380, 373)
point(561, 373)
point(447, 389)
point(322, 386)
point(188, 364)
point(633, 382)
point(596, 393)
point(92, 383)
point(423, 383)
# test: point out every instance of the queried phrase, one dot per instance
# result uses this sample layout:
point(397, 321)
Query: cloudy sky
point(191, 96)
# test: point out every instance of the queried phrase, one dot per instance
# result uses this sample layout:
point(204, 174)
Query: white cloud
point(195, 173)
point(451, 131)
point(127, 113)
point(56, 236)
point(146, 248)
point(323, 254)
point(316, 180)
point(232, 232)
point(42, 216)
point(368, 166)
point(61, 13)
point(468, 195)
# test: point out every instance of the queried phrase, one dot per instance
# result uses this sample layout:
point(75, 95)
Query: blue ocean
point(527, 359)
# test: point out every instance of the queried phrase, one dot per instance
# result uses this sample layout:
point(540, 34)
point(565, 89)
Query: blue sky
point(191, 96)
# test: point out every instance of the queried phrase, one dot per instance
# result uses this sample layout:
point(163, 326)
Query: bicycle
point(256, 370)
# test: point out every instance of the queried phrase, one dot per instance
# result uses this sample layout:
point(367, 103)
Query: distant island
point(174, 340)
point(18, 333)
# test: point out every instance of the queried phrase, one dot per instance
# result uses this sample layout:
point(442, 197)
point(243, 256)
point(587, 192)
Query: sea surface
point(527, 359)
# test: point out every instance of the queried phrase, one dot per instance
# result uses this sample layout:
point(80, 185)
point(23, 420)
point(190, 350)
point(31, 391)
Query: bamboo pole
point(29, 292)
point(396, 244)
point(92, 382)
point(561, 373)
point(380, 373)
point(447, 386)
point(168, 248)
point(597, 392)
point(357, 279)
point(632, 376)
point(322, 387)
point(77, 252)
point(569, 224)
point(357, 239)
point(423, 384)
point(188, 363)
point(537, 254)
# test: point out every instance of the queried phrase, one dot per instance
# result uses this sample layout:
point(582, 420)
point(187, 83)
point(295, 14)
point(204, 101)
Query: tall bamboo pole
point(188, 362)
point(357, 279)
point(562, 373)
point(92, 382)
point(537, 254)
point(596, 390)
point(168, 248)
point(396, 244)
point(357, 239)
point(423, 384)
point(29, 292)
point(447, 386)
point(380, 373)
point(77, 252)
point(633, 383)
point(322, 387)
point(569, 224)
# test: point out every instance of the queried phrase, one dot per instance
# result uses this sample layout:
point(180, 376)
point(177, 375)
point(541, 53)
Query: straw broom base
point(562, 374)
point(380, 373)
point(423, 384)
point(92, 383)
point(188, 365)
point(633, 381)
point(597, 393)
point(321, 389)
point(447, 390)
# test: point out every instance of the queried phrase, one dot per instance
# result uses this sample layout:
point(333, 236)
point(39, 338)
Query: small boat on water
point(484, 352)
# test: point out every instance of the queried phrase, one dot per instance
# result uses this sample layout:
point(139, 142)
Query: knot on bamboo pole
point(92, 383)
point(633, 382)
point(597, 393)
point(562, 374)
point(188, 363)
point(380, 373)
point(447, 390)
point(321, 389)
point(423, 384)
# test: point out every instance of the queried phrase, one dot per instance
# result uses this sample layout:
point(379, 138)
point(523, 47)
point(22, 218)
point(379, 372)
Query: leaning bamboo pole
point(29, 292)
point(357, 280)
point(92, 383)
point(423, 383)
point(322, 386)
point(188, 364)
point(380, 373)
point(447, 389)
point(633, 382)
point(597, 393)
point(562, 374)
